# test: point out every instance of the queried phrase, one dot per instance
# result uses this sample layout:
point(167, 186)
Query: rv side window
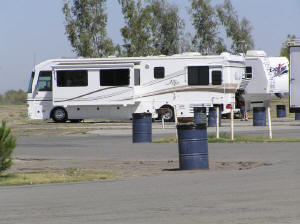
point(30, 83)
point(137, 77)
point(45, 81)
point(198, 75)
point(114, 77)
point(159, 72)
point(73, 78)
point(216, 77)
point(248, 72)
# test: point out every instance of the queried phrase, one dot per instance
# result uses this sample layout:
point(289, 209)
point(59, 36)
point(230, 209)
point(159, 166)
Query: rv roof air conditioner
point(225, 54)
point(256, 53)
point(191, 54)
point(188, 54)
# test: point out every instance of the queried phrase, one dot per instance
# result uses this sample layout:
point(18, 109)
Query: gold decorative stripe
point(99, 90)
point(225, 88)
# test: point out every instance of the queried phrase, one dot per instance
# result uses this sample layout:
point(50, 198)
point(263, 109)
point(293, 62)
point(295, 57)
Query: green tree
point(186, 43)
point(239, 32)
point(137, 30)
point(7, 146)
point(1, 99)
point(284, 51)
point(204, 19)
point(85, 24)
point(167, 27)
point(15, 97)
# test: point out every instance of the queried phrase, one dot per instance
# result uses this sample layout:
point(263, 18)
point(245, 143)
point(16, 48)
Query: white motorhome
point(77, 89)
point(268, 77)
point(294, 56)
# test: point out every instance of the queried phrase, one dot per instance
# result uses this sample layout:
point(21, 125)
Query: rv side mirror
point(35, 90)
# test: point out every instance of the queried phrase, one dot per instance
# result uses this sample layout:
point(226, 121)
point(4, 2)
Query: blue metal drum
point(281, 112)
point(200, 115)
point(259, 116)
point(212, 117)
point(297, 116)
point(192, 146)
point(141, 127)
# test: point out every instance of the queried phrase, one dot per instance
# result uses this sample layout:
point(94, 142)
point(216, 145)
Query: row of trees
point(284, 51)
point(13, 97)
point(154, 27)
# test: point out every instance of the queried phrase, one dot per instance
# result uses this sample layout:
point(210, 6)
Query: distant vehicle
point(267, 77)
point(77, 89)
point(294, 56)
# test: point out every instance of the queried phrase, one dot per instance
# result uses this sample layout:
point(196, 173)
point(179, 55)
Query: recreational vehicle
point(294, 55)
point(116, 87)
point(267, 77)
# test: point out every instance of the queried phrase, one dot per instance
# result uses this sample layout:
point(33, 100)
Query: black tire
point(169, 116)
point(59, 115)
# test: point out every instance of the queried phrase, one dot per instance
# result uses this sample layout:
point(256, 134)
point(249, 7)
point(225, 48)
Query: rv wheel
point(169, 115)
point(59, 115)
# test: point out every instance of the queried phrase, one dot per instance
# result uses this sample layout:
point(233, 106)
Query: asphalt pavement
point(267, 194)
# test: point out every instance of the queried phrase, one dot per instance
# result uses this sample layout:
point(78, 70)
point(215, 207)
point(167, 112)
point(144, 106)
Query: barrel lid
point(280, 106)
point(259, 109)
point(200, 109)
point(141, 115)
point(191, 126)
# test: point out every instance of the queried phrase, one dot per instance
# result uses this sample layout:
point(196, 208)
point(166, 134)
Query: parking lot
point(150, 188)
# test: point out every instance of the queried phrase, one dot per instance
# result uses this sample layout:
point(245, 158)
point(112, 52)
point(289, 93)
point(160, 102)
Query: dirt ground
point(16, 117)
point(17, 120)
point(124, 169)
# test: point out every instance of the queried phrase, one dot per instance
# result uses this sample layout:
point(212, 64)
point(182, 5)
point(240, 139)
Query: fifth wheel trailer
point(294, 56)
point(267, 77)
point(116, 87)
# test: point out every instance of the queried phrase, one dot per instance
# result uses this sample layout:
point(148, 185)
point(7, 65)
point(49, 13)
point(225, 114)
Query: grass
point(17, 120)
point(64, 176)
point(225, 138)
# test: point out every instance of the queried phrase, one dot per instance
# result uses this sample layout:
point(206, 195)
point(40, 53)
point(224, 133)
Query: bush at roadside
point(7, 146)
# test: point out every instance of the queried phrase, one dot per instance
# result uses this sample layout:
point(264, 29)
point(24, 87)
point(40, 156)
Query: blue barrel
point(212, 117)
point(281, 112)
point(297, 116)
point(141, 127)
point(259, 116)
point(200, 115)
point(192, 146)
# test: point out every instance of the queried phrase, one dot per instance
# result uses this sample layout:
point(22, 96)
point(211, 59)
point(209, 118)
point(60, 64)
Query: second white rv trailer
point(76, 89)
point(279, 67)
point(294, 56)
point(267, 77)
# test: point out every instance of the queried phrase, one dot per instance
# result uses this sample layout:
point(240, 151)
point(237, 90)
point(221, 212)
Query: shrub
point(13, 97)
point(7, 146)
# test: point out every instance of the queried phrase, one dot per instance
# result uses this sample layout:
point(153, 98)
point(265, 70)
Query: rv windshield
point(30, 83)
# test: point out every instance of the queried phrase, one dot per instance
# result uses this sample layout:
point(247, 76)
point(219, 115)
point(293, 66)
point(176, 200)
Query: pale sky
point(33, 31)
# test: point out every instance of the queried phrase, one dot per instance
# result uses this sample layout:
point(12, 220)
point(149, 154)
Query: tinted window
point(198, 75)
point(159, 72)
point(45, 81)
point(248, 72)
point(137, 77)
point(216, 77)
point(72, 78)
point(30, 83)
point(114, 77)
